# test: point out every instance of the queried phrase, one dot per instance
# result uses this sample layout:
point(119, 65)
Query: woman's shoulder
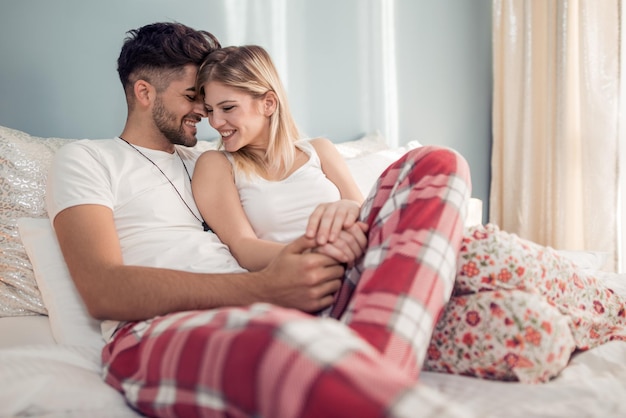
point(324, 148)
point(213, 161)
point(315, 145)
point(214, 156)
point(315, 142)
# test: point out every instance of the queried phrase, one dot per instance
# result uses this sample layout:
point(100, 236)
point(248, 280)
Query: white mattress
point(40, 378)
point(44, 379)
point(24, 330)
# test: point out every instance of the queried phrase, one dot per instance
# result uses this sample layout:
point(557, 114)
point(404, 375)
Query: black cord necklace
point(205, 226)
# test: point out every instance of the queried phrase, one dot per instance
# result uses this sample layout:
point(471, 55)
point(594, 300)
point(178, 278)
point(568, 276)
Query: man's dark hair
point(157, 51)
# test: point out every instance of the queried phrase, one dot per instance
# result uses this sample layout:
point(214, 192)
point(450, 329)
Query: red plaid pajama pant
point(267, 361)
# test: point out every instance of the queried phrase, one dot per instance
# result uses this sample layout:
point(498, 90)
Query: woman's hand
point(349, 245)
point(329, 219)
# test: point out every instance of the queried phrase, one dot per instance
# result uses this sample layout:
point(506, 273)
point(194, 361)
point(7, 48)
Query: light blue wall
point(58, 60)
point(445, 70)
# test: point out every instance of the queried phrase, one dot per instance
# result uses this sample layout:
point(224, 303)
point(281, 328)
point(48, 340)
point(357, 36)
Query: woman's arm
point(336, 169)
point(328, 219)
point(218, 200)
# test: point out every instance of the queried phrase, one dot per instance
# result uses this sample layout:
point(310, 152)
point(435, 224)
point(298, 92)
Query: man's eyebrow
point(192, 88)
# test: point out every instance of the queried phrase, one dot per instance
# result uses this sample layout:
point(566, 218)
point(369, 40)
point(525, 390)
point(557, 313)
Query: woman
point(261, 192)
point(518, 310)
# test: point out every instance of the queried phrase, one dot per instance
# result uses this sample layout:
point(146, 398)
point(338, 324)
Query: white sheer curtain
point(621, 213)
point(556, 122)
point(257, 22)
point(294, 33)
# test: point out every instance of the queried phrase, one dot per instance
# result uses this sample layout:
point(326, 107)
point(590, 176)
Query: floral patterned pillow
point(519, 310)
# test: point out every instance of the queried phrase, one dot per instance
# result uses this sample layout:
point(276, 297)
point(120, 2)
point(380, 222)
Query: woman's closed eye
point(224, 109)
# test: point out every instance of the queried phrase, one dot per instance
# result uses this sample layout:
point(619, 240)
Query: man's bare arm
point(111, 290)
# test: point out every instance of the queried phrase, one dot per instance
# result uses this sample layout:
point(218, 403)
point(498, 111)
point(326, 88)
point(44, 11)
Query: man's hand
point(299, 278)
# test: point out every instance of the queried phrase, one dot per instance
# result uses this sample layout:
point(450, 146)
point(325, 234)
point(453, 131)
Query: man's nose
point(200, 108)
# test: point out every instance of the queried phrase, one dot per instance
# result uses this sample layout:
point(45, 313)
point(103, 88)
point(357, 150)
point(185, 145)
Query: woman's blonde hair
point(250, 69)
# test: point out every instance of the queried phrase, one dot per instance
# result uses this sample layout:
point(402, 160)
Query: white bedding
point(52, 380)
point(44, 379)
point(39, 377)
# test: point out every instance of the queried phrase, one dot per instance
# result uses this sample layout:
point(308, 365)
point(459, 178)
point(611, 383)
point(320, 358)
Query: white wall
point(58, 61)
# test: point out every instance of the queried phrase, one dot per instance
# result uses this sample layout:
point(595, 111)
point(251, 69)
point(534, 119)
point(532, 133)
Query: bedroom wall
point(57, 72)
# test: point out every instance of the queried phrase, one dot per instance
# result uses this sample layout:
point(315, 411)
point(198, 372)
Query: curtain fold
point(555, 122)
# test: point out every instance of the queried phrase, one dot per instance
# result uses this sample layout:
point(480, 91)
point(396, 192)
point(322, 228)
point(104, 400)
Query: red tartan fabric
point(268, 361)
point(416, 214)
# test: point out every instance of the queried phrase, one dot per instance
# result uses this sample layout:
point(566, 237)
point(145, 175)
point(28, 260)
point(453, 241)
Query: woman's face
point(240, 119)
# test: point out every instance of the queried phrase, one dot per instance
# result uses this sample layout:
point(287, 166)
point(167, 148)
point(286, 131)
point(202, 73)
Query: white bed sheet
point(51, 380)
point(25, 330)
point(593, 385)
point(41, 378)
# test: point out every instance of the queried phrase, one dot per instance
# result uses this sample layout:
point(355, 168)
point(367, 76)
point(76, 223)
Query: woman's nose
point(215, 120)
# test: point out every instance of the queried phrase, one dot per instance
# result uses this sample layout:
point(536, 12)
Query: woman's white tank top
point(279, 210)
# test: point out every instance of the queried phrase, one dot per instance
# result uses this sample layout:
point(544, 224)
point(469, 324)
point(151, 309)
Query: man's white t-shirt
point(155, 227)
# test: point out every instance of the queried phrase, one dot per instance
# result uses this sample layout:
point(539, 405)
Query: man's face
point(177, 110)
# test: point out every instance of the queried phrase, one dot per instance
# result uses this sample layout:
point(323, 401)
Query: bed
point(50, 348)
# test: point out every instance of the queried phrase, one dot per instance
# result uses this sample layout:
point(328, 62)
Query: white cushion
point(70, 322)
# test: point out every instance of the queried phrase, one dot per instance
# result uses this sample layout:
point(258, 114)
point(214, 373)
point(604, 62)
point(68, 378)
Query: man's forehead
point(187, 78)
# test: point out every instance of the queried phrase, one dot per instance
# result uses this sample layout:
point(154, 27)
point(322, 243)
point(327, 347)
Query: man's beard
point(166, 122)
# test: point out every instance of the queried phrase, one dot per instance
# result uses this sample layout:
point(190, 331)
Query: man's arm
point(88, 239)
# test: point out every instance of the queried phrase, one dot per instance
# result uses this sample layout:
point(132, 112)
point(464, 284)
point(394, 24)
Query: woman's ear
point(144, 92)
point(270, 103)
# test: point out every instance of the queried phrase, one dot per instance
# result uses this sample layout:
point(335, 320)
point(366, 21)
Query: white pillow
point(70, 322)
point(365, 144)
point(368, 166)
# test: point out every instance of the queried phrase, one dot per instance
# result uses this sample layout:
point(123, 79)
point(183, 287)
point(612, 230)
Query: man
point(190, 333)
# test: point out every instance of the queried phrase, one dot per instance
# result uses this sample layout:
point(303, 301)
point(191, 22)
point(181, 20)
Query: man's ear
point(270, 103)
point(144, 92)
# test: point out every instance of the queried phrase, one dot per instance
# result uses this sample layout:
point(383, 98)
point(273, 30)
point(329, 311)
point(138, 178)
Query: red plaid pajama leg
point(261, 361)
point(416, 215)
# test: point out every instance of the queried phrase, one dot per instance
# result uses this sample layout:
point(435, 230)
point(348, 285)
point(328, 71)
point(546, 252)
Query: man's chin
point(185, 141)
point(190, 138)
point(191, 141)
